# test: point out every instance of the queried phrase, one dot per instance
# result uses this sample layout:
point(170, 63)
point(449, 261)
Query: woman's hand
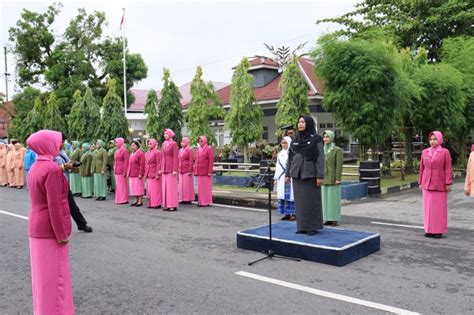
point(448, 188)
point(338, 182)
point(287, 179)
point(175, 173)
point(63, 242)
point(319, 182)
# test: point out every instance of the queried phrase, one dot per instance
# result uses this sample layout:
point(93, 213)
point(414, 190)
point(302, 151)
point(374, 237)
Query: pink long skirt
point(204, 190)
point(19, 177)
point(121, 189)
point(137, 187)
point(186, 187)
point(435, 211)
point(170, 190)
point(3, 176)
point(153, 192)
point(50, 277)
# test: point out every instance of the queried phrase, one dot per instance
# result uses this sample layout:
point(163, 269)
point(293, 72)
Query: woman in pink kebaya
point(469, 184)
point(435, 180)
point(186, 179)
point(169, 171)
point(49, 228)
point(136, 173)
point(120, 169)
point(203, 169)
point(153, 175)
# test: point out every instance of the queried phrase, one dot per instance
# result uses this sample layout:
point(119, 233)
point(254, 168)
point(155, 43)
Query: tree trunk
point(386, 157)
point(246, 154)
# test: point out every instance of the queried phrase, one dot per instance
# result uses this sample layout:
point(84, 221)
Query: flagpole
point(124, 65)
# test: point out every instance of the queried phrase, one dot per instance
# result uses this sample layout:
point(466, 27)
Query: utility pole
point(6, 90)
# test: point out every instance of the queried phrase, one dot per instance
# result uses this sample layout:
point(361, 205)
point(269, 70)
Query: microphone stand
point(269, 252)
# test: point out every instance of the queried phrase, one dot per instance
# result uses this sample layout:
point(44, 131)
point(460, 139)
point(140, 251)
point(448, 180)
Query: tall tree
point(151, 105)
point(294, 100)
point(414, 23)
point(245, 117)
point(170, 114)
point(53, 119)
point(205, 105)
point(35, 120)
point(62, 60)
point(92, 116)
point(362, 87)
point(75, 121)
point(113, 122)
point(22, 104)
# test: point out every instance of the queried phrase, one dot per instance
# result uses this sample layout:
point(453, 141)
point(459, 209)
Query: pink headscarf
point(45, 143)
point(440, 138)
point(153, 143)
point(170, 133)
point(120, 142)
point(185, 142)
point(203, 144)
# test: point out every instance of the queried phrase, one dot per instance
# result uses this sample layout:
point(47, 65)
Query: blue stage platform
point(333, 246)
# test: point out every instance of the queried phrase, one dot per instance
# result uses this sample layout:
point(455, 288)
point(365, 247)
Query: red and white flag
point(123, 19)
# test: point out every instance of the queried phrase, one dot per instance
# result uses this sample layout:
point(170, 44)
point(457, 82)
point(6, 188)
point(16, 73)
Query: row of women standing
point(12, 165)
point(169, 173)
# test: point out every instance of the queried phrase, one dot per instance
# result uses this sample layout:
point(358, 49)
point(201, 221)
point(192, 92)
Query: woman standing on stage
point(331, 191)
point(469, 185)
point(169, 171)
point(120, 170)
point(153, 176)
point(286, 204)
point(85, 171)
point(306, 170)
point(49, 228)
point(74, 177)
point(136, 173)
point(186, 179)
point(435, 180)
point(204, 167)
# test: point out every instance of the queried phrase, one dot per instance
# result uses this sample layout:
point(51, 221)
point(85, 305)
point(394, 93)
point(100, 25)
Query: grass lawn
point(396, 180)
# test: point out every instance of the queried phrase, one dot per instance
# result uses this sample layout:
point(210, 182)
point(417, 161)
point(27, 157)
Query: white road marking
point(14, 215)
point(240, 208)
point(327, 294)
point(401, 225)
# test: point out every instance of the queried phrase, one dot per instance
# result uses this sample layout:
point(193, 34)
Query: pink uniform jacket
point(153, 163)
point(204, 164)
point(121, 158)
point(435, 167)
point(186, 160)
point(169, 157)
point(136, 164)
point(48, 188)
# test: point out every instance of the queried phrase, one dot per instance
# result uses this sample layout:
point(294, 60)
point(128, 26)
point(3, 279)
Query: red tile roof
point(272, 91)
point(262, 60)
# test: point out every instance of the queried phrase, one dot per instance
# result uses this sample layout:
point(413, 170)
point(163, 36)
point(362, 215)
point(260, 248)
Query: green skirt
point(87, 186)
point(75, 183)
point(111, 179)
point(100, 185)
point(331, 196)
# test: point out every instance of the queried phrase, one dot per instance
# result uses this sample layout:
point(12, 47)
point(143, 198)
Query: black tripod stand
point(269, 185)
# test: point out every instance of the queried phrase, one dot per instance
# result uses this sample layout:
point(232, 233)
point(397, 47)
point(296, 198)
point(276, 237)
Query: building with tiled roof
point(267, 75)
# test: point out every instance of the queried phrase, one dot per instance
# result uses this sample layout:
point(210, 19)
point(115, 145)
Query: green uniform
point(331, 193)
point(74, 176)
point(99, 169)
point(85, 171)
point(110, 168)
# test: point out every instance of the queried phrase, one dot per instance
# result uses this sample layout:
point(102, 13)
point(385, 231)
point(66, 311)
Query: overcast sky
point(181, 35)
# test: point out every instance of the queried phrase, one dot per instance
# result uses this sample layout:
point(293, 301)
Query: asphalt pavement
point(146, 261)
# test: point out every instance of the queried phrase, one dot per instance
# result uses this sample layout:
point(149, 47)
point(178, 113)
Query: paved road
point(141, 261)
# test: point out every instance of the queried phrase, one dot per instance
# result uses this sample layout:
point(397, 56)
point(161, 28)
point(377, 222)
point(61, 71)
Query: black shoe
point(311, 232)
point(300, 232)
point(156, 207)
point(285, 218)
point(172, 209)
point(437, 235)
point(133, 204)
point(428, 235)
point(139, 204)
point(85, 228)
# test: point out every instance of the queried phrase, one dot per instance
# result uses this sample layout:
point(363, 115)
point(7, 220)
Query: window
point(329, 125)
point(322, 126)
point(265, 133)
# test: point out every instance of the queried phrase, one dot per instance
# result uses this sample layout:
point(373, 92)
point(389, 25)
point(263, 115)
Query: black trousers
point(75, 212)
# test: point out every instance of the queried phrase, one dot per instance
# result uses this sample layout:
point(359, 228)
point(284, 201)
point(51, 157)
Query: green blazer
point(111, 158)
point(333, 166)
point(85, 169)
point(76, 157)
point(99, 161)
